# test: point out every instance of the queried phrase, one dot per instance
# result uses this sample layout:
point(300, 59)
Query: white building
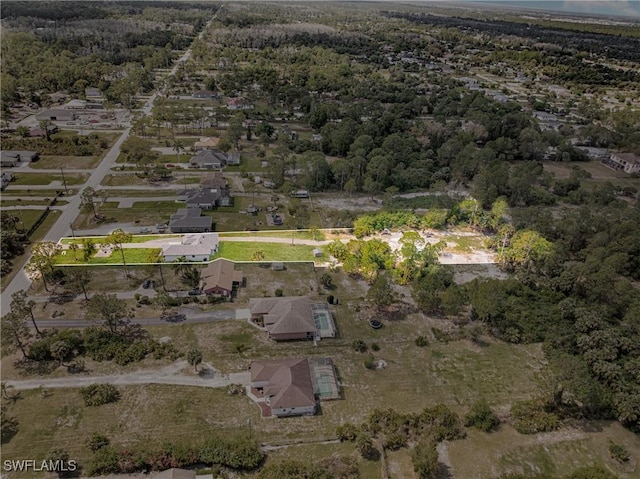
point(192, 247)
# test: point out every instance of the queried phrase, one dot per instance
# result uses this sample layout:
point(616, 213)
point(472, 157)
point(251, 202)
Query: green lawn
point(19, 202)
point(237, 251)
point(301, 234)
point(44, 193)
point(23, 179)
point(74, 162)
point(132, 256)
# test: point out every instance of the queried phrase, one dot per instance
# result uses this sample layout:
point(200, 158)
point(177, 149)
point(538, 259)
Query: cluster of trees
point(572, 289)
point(392, 430)
point(235, 452)
point(114, 47)
point(117, 339)
point(611, 45)
point(13, 239)
point(74, 145)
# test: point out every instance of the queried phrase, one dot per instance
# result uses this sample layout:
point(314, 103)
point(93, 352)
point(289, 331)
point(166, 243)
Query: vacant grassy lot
point(131, 179)
point(479, 454)
point(11, 191)
point(131, 256)
point(67, 162)
point(144, 414)
point(240, 251)
point(22, 179)
point(19, 202)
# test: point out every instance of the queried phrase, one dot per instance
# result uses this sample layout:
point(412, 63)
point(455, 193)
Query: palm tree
point(178, 147)
point(180, 266)
point(118, 238)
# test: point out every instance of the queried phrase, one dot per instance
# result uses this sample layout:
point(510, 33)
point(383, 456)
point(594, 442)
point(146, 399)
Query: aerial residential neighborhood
point(328, 240)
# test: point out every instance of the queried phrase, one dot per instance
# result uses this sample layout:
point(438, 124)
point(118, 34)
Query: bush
point(366, 448)
point(103, 345)
point(481, 416)
point(134, 353)
point(330, 299)
point(347, 432)
point(529, 417)
point(238, 453)
point(375, 347)
point(99, 394)
point(422, 342)
point(292, 469)
point(395, 440)
point(359, 345)
point(370, 362)
point(424, 457)
point(278, 292)
point(618, 452)
point(98, 441)
point(40, 350)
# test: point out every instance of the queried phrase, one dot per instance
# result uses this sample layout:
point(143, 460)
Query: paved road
point(62, 227)
point(173, 374)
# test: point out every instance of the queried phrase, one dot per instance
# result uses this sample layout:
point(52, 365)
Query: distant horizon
point(607, 8)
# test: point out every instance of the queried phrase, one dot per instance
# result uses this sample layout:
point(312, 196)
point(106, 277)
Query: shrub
point(293, 469)
point(99, 394)
point(40, 350)
point(375, 347)
point(330, 299)
point(366, 448)
point(395, 440)
point(135, 352)
point(359, 345)
point(170, 455)
point(529, 417)
point(424, 457)
point(278, 292)
point(422, 342)
point(103, 345)
point(370, 362)
point(481, 416)
point(235, 389)
point(347, 432)
point(618, 452)
point(98, 441)
point(238, 453)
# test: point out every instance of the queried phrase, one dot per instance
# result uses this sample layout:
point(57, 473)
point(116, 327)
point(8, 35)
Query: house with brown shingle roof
point(284, 386)
point(284, 318)
point(219, 277)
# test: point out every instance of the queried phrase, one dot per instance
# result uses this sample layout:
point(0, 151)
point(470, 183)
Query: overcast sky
point(626, 8)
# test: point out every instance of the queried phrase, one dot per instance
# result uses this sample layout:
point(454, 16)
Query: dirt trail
point(178, 373)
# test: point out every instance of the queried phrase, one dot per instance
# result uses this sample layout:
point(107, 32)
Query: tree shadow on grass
point(29, 367)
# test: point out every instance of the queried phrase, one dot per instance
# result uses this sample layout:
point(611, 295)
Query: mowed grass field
point(455, 373)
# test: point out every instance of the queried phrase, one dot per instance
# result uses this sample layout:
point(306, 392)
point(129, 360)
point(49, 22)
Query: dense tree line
point(115, 46)
point(610, 45)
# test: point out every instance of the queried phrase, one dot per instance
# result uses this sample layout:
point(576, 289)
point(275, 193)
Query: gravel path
point(178, 373)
